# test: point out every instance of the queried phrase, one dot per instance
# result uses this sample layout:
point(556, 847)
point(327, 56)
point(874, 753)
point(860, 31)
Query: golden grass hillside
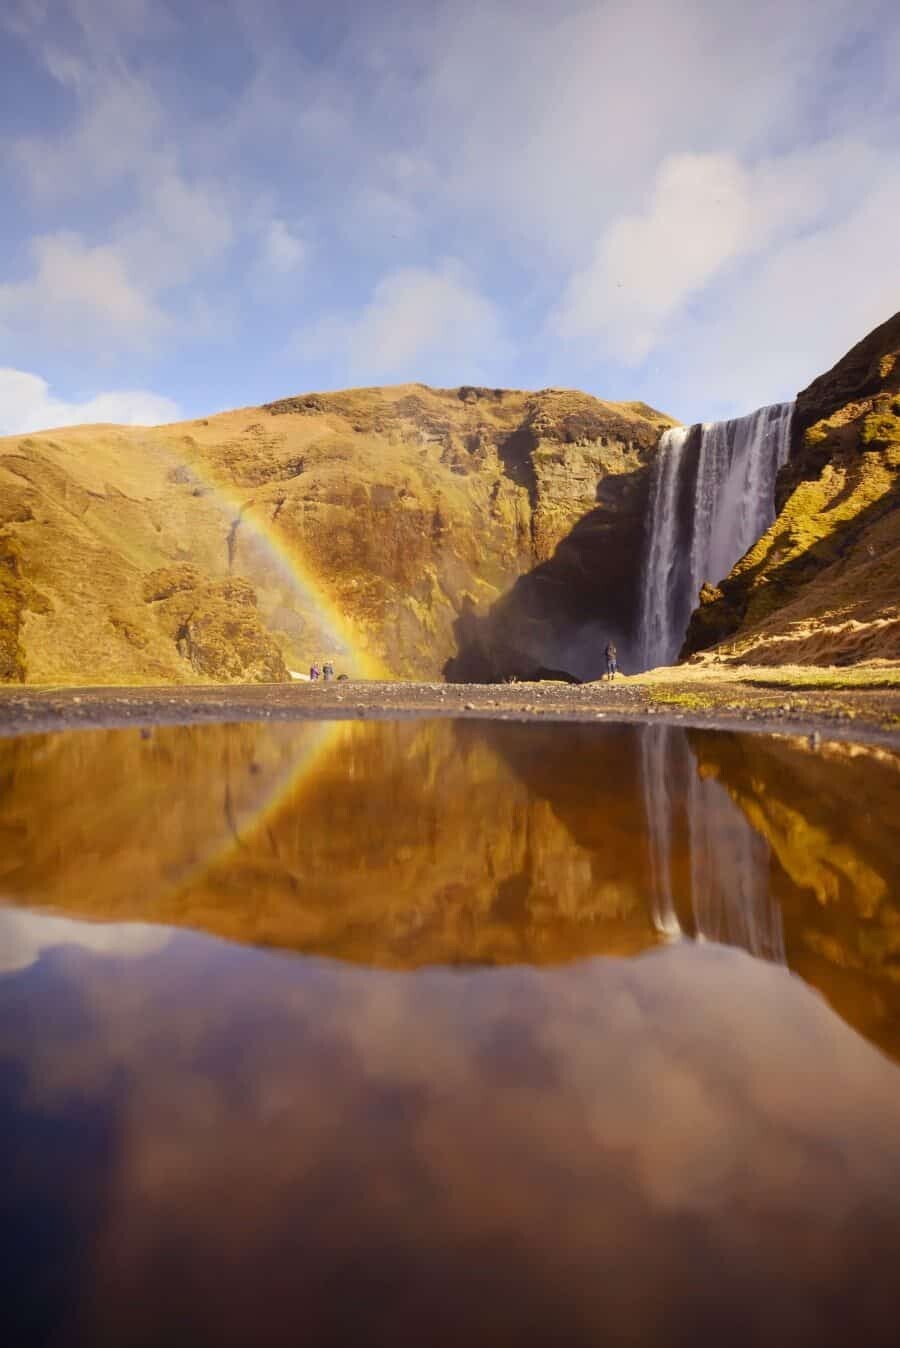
point(357, 526)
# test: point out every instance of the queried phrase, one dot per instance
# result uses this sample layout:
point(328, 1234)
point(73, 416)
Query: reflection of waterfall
point(659, 800)
point(711, 498)
point(704, 852)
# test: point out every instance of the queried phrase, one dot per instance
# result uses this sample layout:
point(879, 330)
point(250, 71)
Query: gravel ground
point(871, 714)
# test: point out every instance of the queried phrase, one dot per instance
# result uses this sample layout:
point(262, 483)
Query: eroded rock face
point(374, 527)
point(215, 626)
point(822, 585)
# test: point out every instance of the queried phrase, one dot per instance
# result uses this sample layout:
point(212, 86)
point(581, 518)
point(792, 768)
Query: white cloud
point(180, 228)
point(554, 121)
point(283, 251)
point(799, 308)
point(647, 265)
point(714, 230)
point(380, 212)
point(97, 34)
point(27, 404)
point(79, 290)
point(110, 141)
point(419, 323)
point(122, 149)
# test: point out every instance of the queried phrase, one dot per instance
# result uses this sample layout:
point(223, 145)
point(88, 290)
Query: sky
point(214, 203)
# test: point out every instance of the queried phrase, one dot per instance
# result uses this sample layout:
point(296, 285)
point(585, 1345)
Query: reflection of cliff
point(830, 819)
point(103, 824)
point(412, 843)
point(400, 844)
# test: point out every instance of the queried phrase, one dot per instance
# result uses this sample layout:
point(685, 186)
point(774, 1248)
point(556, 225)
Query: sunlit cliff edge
point(822, 586)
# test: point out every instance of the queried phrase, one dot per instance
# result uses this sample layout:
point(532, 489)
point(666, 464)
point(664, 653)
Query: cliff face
point(823, 584)
point(372, 526)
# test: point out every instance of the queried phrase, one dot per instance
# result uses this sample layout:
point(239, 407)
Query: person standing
point(611, 665)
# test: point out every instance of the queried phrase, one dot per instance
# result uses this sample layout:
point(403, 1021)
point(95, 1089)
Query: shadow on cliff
point(557, 618)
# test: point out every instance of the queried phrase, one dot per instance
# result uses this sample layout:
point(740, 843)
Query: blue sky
point(213, 203)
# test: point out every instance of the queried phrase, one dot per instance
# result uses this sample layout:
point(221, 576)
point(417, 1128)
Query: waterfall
point(704, 852)
point(712, 495)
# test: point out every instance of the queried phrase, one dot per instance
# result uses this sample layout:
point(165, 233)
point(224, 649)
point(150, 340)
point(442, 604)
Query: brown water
point(416, 1095)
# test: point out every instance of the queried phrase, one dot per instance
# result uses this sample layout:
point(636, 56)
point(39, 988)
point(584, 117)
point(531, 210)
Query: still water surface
point(416, 1033)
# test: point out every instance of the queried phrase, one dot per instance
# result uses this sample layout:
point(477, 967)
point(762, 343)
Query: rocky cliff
point(385, 528)
point(823, 584)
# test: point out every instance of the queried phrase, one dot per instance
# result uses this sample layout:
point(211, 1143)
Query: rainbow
point(339, 635)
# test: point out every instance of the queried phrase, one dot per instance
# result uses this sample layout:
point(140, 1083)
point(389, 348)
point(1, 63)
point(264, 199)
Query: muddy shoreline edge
point(861, 714)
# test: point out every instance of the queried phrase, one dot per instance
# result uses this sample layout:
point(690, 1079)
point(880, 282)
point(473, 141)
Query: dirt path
point(860, 711)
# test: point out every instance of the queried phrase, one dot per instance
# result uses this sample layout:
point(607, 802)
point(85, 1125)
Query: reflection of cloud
point(24, 936)
point(525, 1125)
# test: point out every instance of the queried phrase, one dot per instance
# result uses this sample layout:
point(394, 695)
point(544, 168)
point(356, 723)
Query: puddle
point(337, 1034)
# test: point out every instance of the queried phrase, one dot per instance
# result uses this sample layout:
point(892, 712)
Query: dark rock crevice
point(559, 615)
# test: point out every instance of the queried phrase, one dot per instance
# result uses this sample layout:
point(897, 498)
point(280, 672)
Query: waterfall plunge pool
point(441, 1031)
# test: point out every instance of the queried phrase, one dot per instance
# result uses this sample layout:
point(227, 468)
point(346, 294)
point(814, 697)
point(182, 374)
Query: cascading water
point(704, 851)
point(711, 497)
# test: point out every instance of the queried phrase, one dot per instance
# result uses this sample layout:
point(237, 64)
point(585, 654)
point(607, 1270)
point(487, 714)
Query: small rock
point(145, 733)
point(469, 706)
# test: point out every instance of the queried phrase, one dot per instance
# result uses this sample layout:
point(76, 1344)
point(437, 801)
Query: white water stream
point(697, 533)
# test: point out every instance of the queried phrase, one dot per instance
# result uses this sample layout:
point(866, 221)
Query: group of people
point(326, 672)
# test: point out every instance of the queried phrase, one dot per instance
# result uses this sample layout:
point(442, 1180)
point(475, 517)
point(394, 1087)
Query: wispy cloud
point(625, 187)
point(78, 292)
point(420, 324)
point(283, 251)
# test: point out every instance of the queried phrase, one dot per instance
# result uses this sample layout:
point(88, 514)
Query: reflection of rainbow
point(252, 799)
point(295, 571)
point(315, 740)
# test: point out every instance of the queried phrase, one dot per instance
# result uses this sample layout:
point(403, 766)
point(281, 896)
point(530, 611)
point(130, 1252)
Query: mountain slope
point(358, 525)
point(822, 585)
